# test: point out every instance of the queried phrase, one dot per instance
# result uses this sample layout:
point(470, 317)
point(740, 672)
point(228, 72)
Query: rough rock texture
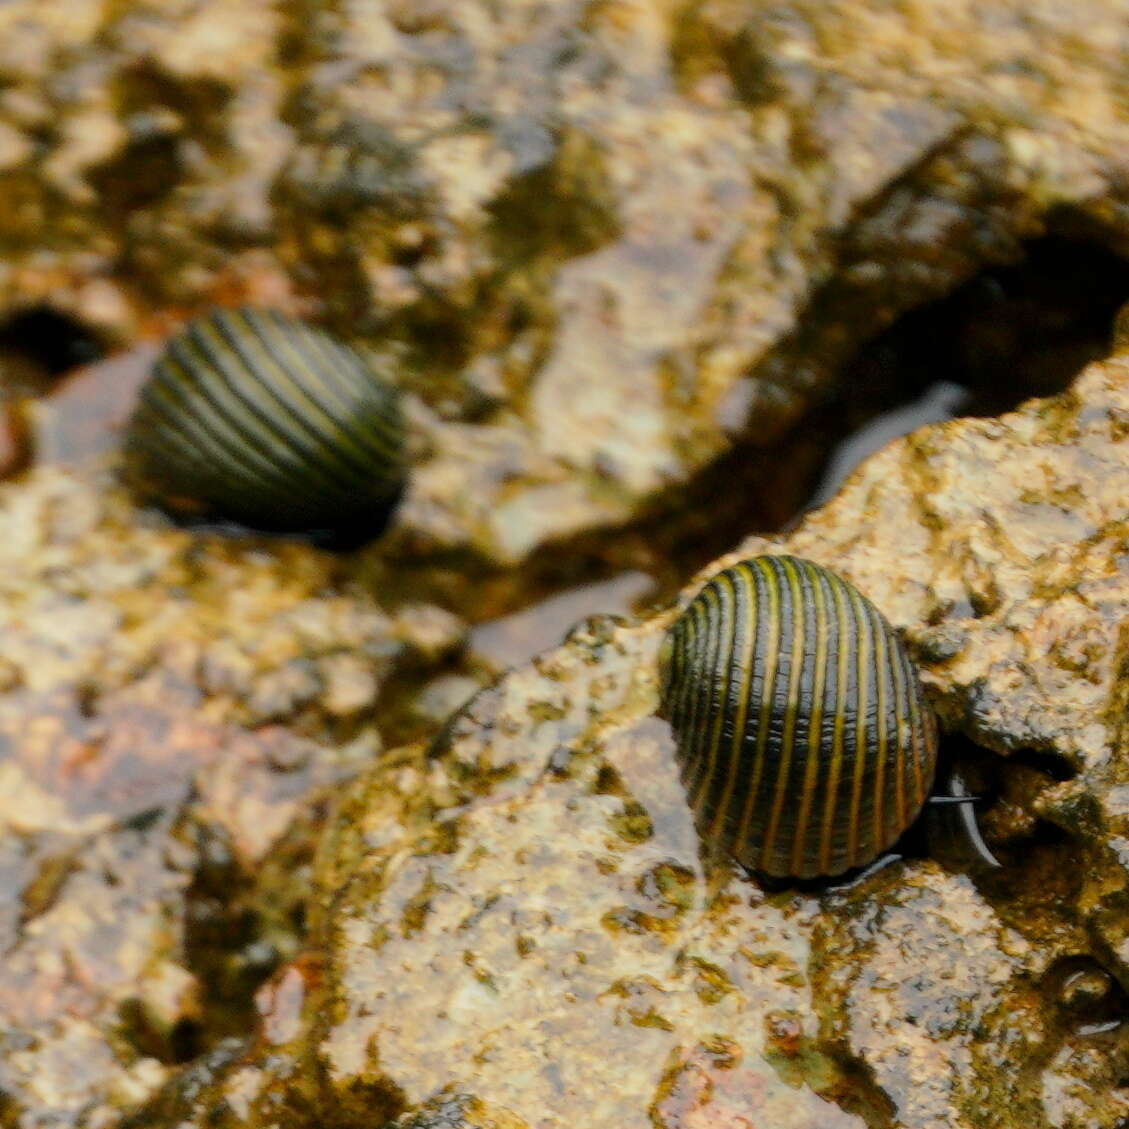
point(607, 239)
point(524, 913)
point(175, 708)
point(459, 1112)
point(609, 235)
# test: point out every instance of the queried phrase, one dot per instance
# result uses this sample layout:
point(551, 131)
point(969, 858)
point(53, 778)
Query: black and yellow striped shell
point(254, 417)
point(805, 743)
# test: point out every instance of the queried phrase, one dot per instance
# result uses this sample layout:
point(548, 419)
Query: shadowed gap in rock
point(1085, 995)
point(38, 345)
point(229, 945)
point(1010, 333)
point(1006, 788)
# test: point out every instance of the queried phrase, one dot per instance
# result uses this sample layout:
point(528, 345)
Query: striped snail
point(254, 417)
point(804, 740)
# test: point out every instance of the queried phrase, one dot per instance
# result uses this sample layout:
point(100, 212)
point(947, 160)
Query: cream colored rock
point(175, 707)
point(525, 913)
point(660, 229)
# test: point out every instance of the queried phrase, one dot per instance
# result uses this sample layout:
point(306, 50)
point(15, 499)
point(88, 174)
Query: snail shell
point(257, 418)
point(805, 742)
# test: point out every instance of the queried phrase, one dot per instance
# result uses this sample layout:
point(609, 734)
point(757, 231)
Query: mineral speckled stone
point(173, 711)
point(616, 236)
point(523, 913)
point(701, 210)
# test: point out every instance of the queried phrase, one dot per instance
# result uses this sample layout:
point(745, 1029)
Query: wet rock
point(605, 242)
point(85, 415)
point(516, 638)
point(524, 911)
point(459, 1112)
point(608, 240)
point(174, 710)
point(15, 448)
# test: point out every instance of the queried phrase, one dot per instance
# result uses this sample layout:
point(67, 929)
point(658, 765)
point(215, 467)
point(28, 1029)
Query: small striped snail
point(805, 743)
point(254, 417)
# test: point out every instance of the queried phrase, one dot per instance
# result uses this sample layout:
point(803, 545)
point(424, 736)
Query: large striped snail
point(805, 742)
point(257, 418)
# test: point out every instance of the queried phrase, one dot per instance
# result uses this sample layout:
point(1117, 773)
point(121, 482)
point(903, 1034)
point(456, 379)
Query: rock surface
point(175, 708)
point(609, 236)
point(524, 912)
point(609, 240)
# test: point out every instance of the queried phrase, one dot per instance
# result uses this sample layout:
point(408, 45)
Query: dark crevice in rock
point(1051, 764)
point(1037, 877)
point(1012, 332)
point(178, 1044)
point(1085, 993)
point(858, 1091)
point(985, 771)
point(232, 944)
point(1007, 789)
point(930, 231)
point(44, 343)
point(145, 172)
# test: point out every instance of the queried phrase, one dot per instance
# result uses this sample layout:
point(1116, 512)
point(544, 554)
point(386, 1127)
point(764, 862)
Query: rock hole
point(39, 344)
point(184, 1041)
point(410, 255)
point(1007, 813)
point(145, 172)
point(1087, 996)
point(1050, 764)
point(227, 946)
point(88, 699)
point(1041, 863)
point(172, 1045)
point(1010, 333)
